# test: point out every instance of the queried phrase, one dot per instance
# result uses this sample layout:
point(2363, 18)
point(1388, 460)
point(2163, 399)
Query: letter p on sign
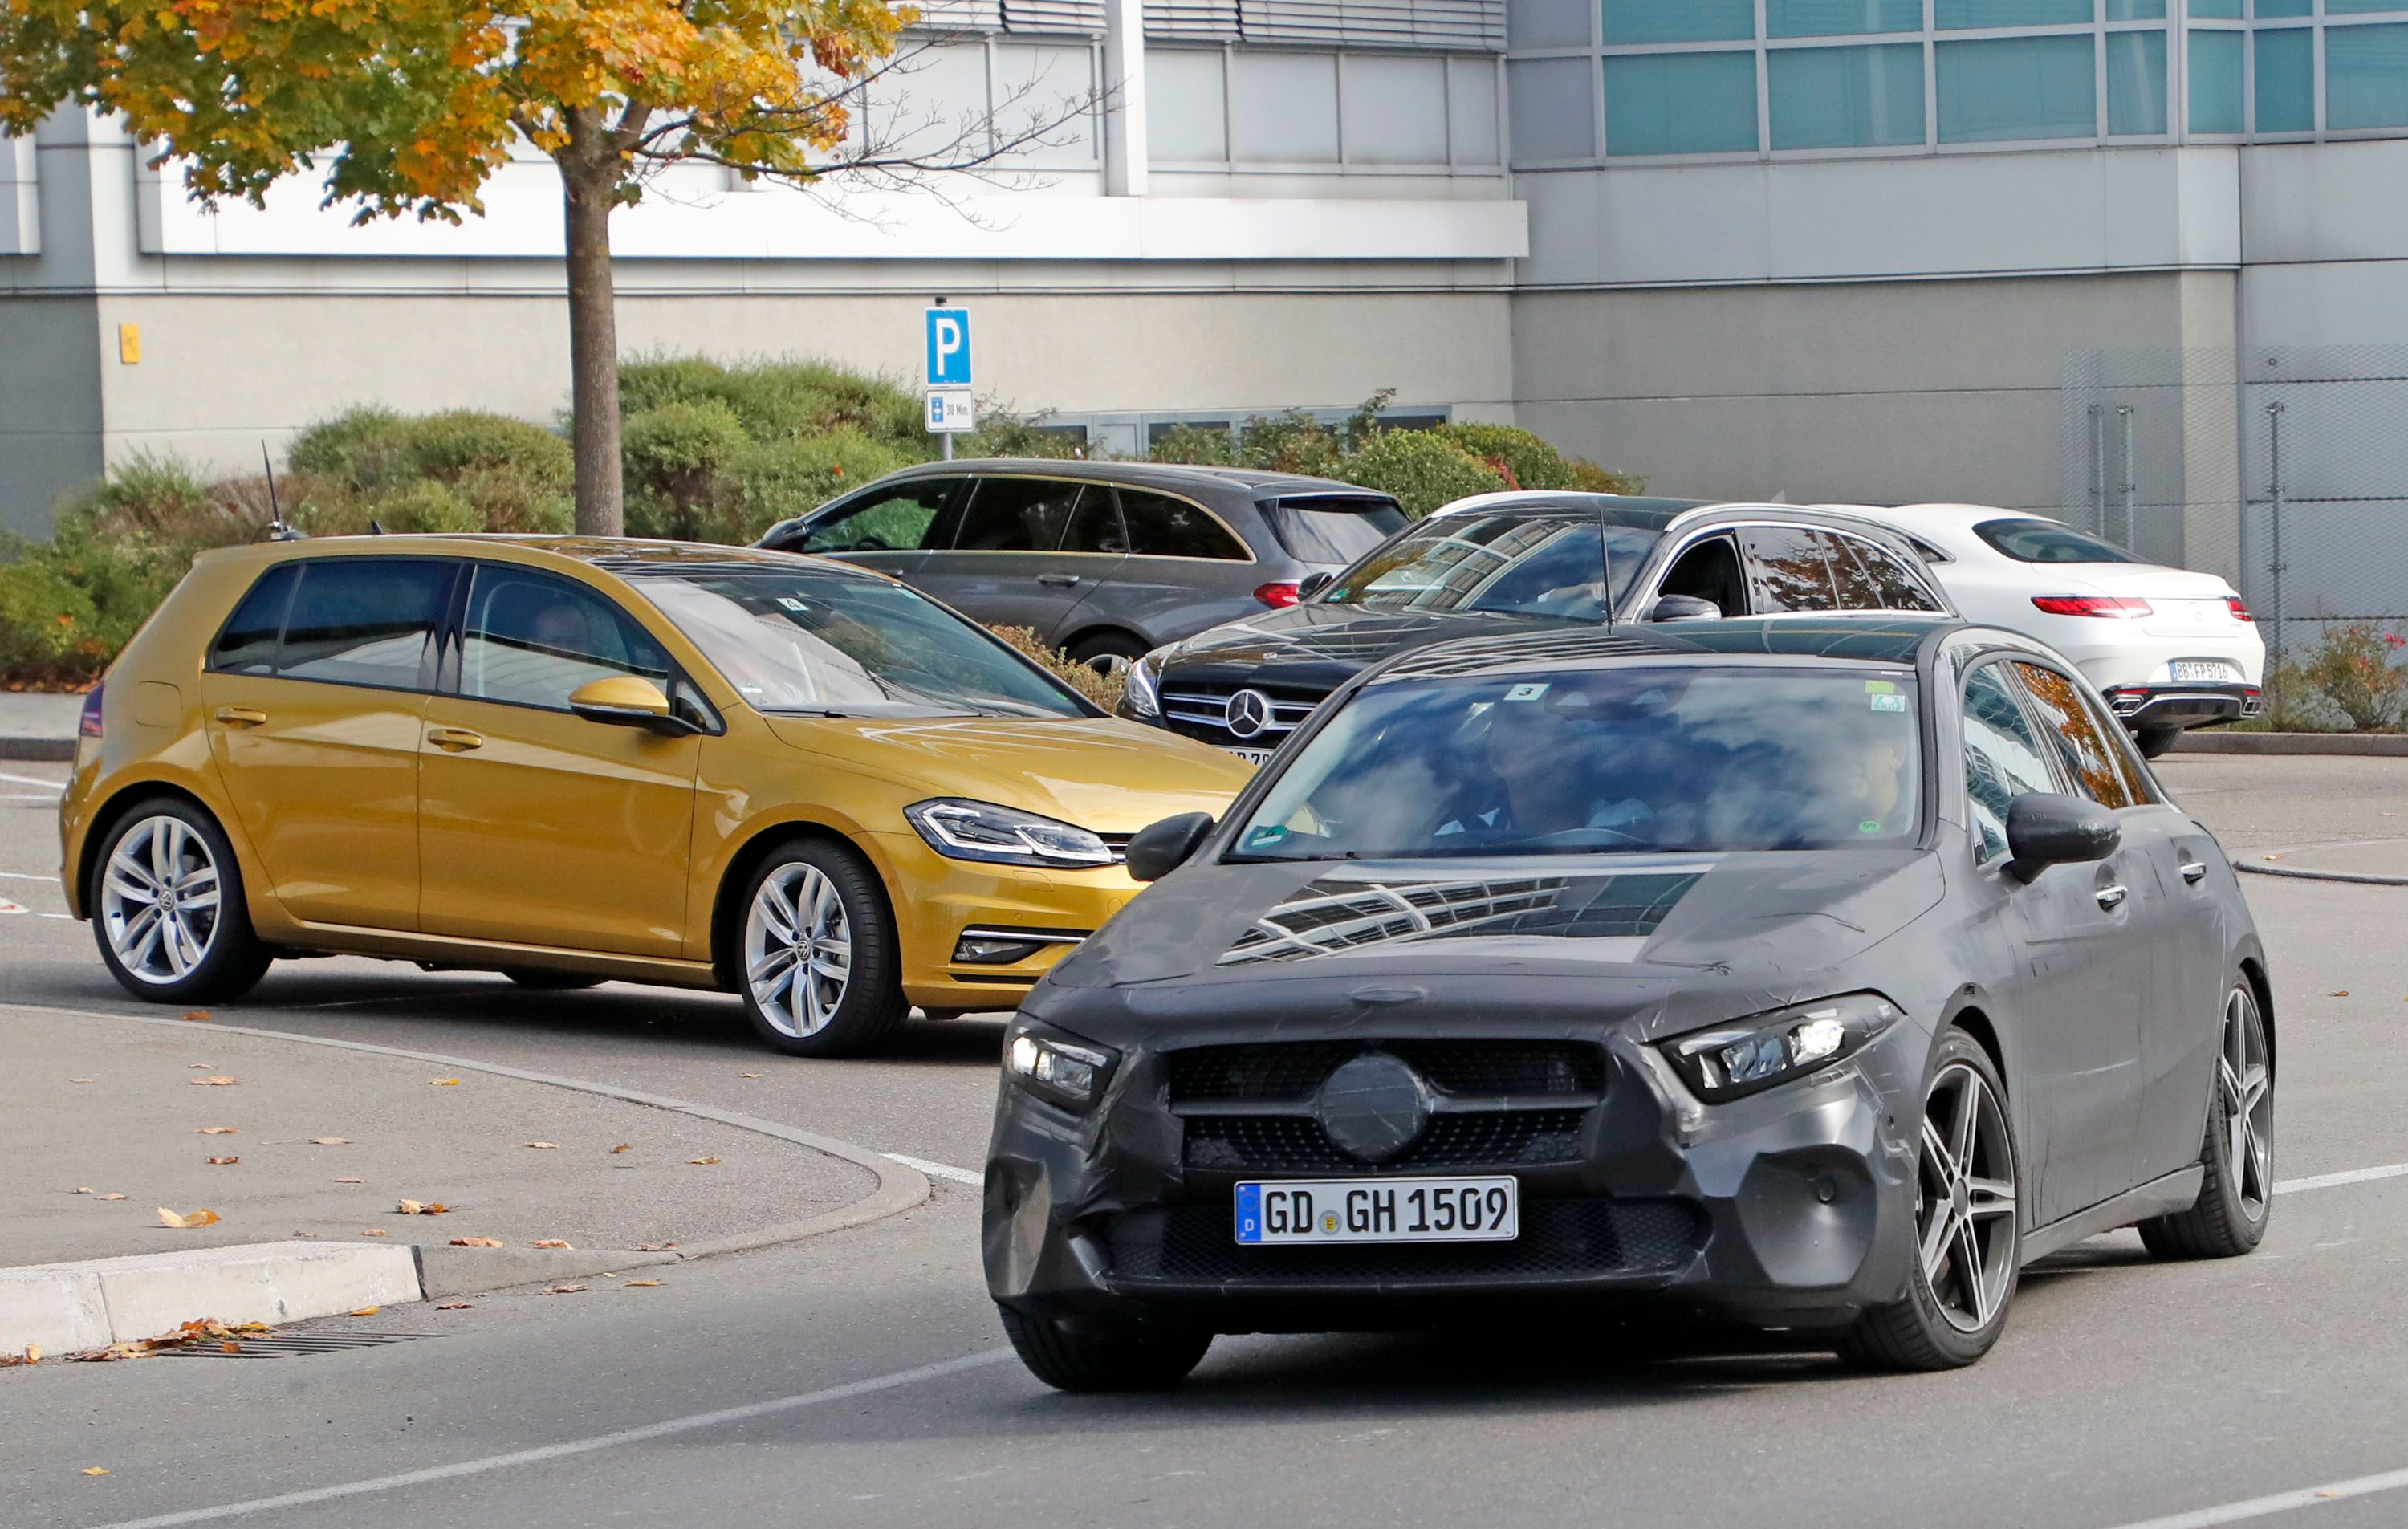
point(949, 347)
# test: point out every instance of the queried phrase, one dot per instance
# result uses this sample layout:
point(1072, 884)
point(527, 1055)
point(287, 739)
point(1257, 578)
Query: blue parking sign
point(949, 347)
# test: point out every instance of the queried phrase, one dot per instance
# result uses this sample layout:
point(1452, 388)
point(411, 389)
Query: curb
point(2376, 745)
point(2362, 879)
point(59, 1298)
point(38, 751)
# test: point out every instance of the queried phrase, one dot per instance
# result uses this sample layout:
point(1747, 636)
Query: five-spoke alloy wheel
point(818, 954)
point(2237, 1187)
point(168, 908)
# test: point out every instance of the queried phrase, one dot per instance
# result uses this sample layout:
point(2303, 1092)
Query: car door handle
point(1060, 582)
point(456, 740)
point(241, 716)
point(2193, 870)
point(2111, 897)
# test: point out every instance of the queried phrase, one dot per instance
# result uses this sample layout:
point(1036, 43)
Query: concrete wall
point(49, 404)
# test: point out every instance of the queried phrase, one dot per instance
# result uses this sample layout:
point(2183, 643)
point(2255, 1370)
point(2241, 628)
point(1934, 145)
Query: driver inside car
point(1537, 748)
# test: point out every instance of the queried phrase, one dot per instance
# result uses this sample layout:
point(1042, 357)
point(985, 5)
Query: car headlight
point(1054, 1066)
point(1732, 1061)
point(1142, 685)
point(964, 830)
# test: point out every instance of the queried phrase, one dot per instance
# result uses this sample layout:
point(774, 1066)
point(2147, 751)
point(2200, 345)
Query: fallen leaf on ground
point(203, 1216)
point(196, 1013)
point(80, 1189)
point(702, 1162)
point(200, 1066)
point(219, 1080)
point(330, 1141)
point(457, 1306)
point(109, 1196)
point(350, 1181)
point(2270, 857)
point(223, 1161)
point(543, 1144)
point(214, 1131)
point(623, 1147)
point(548, 1242)
point(563, 1290)
point(423, 1208)
point(476, 1242)
point(751, 1075)
point(2337, 993)
point(654, 1246)
point(33, 1353)
point(365, 1311)
point(639, 1284)
point(83, 1079)
point(305, 1233)
point(376, 1232)
point(95, 1470)
point(444, 1082)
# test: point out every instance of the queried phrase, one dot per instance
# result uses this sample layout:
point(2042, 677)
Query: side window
point(2002, 757)
point(1161, 526)
point(248, 644)
point(531, 640)
point(1882, 582)
point(1788, 569)
point(897, 520)
point(1017, 515)
point(2096, 768)
point(361, 620)
point(1709, 571)
point(1095, 525)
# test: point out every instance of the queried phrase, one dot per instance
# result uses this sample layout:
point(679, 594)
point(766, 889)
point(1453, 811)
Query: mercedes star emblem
point(1249, 713)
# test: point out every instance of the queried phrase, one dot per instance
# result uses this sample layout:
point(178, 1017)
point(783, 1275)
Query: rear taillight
point(1277, 595)
point(2240, 612)
point(2120, 606)
point(89, 723)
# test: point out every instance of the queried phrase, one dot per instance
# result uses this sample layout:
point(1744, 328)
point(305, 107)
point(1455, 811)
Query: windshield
point(1521, 565)
point(2046, 541)
point(1587, 760)
point(800, 641)
point(1333, 528)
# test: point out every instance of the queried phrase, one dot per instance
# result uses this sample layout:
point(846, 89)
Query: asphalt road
point(859, 1379)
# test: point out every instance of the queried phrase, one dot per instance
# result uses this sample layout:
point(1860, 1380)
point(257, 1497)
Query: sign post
point(951, 409)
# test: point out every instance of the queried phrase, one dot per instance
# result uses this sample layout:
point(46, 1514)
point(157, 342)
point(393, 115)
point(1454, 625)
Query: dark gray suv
point(1108, 559)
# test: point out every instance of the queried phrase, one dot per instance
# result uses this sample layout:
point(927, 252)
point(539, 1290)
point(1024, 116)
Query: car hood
point(1105, 775)
point(1756, 930)
point(1324, 646)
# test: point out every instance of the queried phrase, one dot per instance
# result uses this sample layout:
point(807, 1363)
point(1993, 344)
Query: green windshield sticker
point(1868, 826)
point(1889, 703)
point(1880, 687)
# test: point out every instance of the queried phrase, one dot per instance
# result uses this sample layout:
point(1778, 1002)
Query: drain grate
point(291, 1344)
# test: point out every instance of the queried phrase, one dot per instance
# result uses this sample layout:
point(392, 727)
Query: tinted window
point(2046, 541)
point(534, 639)
point(2002, 757)
point(362, 621)
point(894, 520)
point(1871, 578)
point(248, 644)
point(1332, 528)
point(1017, 515)
point(1534, 565)
point(1161, 526)
point(1709, 571)
point(1587, 760)
point(1789, 568)
point(1095, 525)
point(2098, 772)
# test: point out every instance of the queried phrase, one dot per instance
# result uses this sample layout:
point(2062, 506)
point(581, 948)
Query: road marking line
point(2280, 1502)
point(2334, 1180)
point(573, 1447)
point(55, 788)
point(943, 1170)
point(27, 875)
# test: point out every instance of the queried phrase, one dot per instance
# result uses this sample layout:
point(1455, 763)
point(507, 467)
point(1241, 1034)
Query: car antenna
point(1605, 561)
point(278, 529)
point(375, 529)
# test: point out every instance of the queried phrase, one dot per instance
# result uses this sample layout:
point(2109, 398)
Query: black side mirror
point(2045, 829)
point(1159, 849)
point(1684, 607)
point(1313, 584)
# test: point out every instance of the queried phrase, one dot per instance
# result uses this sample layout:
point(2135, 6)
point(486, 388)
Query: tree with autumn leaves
point(412, 105)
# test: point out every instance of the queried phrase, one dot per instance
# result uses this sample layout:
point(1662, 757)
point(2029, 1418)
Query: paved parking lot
point(859, 1379)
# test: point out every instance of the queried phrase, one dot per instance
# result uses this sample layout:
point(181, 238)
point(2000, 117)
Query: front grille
point(1560, 1239)
point(1293, 1070)
point(1202, 711)
point(1117, 844)
point(1284, 1144)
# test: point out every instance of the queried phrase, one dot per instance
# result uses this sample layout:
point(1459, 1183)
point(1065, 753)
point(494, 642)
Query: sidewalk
point(39, 726)
point(2335, 816)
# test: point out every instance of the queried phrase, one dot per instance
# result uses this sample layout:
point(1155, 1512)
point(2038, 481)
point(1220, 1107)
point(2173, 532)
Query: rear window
point(2046, 541)
point(353, 621)
point(1335, 528)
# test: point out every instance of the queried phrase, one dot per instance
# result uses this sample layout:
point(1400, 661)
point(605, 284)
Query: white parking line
point(53, 787)
point(27, 875)
point(690, 1423)
point(2280, 1502)
point(940, 1171)
point(2334, 1180)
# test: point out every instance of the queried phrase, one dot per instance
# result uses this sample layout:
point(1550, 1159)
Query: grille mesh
point(1288, 1072)
point(1561, 1239)
point(1293, 1143)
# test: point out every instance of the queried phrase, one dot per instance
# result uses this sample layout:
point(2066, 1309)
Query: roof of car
point(1166, 475)
point(1650, 514)
point(617, 554)
point(1885, 641)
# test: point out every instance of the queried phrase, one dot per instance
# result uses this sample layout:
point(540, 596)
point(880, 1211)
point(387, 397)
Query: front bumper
point(2176, 705)
point(1793, 1207)
point(938, 900)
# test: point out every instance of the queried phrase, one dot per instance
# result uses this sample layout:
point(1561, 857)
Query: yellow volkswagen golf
point(574, 761)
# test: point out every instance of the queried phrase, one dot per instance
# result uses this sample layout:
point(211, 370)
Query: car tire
point(1104, 1353)
point(1946, 1320)
point(1106, 651)
point(194, 945)
point(2157, 742)
point(838, 990)
point(2237, 1197)
point(539, 981)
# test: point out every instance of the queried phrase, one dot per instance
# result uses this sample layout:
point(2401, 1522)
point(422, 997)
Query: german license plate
point(1252, 756)
point(2205, 670)
point(1287, 1213)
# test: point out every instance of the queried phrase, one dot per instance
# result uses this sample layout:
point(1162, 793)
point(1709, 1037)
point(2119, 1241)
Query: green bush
point(1589, 477)
point(1421, 469)
point(1527, 461)
point(2351, 667)
point(1003, 434)
point(781, 399)
point(672, 450)
point(1205, 446)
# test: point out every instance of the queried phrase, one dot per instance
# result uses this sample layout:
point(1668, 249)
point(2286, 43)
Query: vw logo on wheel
point(1248, 713)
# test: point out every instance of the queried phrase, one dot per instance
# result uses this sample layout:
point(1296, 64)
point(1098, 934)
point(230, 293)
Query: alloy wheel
point(798, 949)
point(2245, 1083)
point(159, 900)
point(1965, 1200)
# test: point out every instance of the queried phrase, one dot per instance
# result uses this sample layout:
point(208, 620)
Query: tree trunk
point(589, 178)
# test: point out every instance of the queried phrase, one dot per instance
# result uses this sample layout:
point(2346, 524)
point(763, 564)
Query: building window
point(1679, 21)
point(2366, 77)
point(1838, 18)
point(2215, 83)
point(1680, 103)
point(2017, 88)
point(1238, 106)
point(2136, 84)
point(1846, 97)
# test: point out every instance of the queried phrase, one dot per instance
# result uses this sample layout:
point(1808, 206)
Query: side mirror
point(2045, 829)
point(1684, 607)
point(1313, 584)
point(626, 700)
point(1159, 849)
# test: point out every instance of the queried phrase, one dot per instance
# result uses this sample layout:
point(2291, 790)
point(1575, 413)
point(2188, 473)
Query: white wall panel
point(1394, 109)
point(1187, 105)
point(1282, 108)
point(20, 227)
